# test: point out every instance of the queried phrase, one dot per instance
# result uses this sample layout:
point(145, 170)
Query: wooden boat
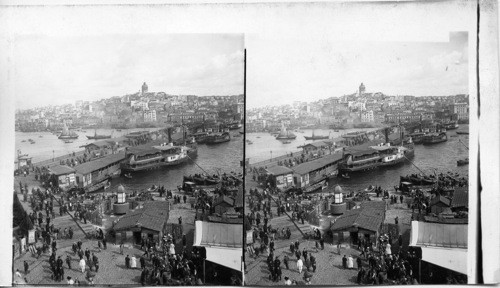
point(285, 135)
point(66, 134)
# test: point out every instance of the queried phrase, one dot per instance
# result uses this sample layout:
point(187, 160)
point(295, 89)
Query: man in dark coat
point(127, 262)
point(344, 262)
point(285, 261)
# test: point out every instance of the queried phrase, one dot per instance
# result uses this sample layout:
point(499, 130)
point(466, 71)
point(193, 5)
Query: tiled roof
point(61, 170)
point(460, 198)
point(368, 217)
point(152, 216)
point(279, 170)
point(309, 166)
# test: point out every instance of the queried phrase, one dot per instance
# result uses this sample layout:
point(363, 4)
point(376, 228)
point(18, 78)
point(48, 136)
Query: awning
point(228, 257)
point(222, 242)
point(453, 259)
point(444, 245)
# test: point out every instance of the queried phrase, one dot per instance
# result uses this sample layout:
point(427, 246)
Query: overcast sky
point(50, 70)
point(283, 69)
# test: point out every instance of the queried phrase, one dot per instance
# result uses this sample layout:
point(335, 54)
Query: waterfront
point(43, 147)
point(224, 156)
point(442, 157)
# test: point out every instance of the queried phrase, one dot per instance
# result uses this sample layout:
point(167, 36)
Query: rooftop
point(279, 170)
point(152, 216)
point(61, 170)
point(309, 166)
point(99, 163)
point(369, 217)
point(460, 197)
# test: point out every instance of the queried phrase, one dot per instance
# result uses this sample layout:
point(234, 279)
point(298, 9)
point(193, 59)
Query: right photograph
point(357, 160)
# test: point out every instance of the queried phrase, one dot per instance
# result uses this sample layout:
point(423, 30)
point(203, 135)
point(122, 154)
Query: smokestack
point(169, 133)
point(386, 132)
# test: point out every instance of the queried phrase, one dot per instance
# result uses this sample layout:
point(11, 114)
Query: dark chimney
point(386, 132)
point(169, 133)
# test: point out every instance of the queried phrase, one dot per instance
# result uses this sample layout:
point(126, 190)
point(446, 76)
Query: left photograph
point(129, 155)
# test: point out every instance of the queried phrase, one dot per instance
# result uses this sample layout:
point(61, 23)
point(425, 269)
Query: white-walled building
point(150, 116)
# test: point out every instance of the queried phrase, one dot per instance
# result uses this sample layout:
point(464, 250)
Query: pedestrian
point(322, 243)
point(104, 243)
point(70, 281)
point(68, 261)
point(82, 265)
point(121, 248)
point(300, 264)
point(313, 263)
point(26, 267)
point(87, 254)
point(344, 262)
point(350, 262)
point(359, 263)
point(285, 261)
point(127, 262)
point(133, 262)
point(338, 247)
point(142, 261)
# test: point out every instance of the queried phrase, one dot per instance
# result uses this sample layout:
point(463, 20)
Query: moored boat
point(463, 162)
point(316, 137)
point(434, 138)
point(285, 135)
point(218, 137)
point(146, 158)
point(97, 137)
point(67, 134)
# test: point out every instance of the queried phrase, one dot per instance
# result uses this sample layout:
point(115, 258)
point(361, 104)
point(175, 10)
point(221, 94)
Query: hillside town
point(152, 204)
point(363, 203)
point(361, 109)
point(138, 110)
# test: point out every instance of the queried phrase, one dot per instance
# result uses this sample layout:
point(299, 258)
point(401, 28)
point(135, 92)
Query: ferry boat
point(200, 137)
point(434, 138)
point(417, 137)
point(66, 134)
point(360, 161)
point(316, 137)
point(140, 159)
point(97, 137)
point(285, 135)
point(218, 137)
